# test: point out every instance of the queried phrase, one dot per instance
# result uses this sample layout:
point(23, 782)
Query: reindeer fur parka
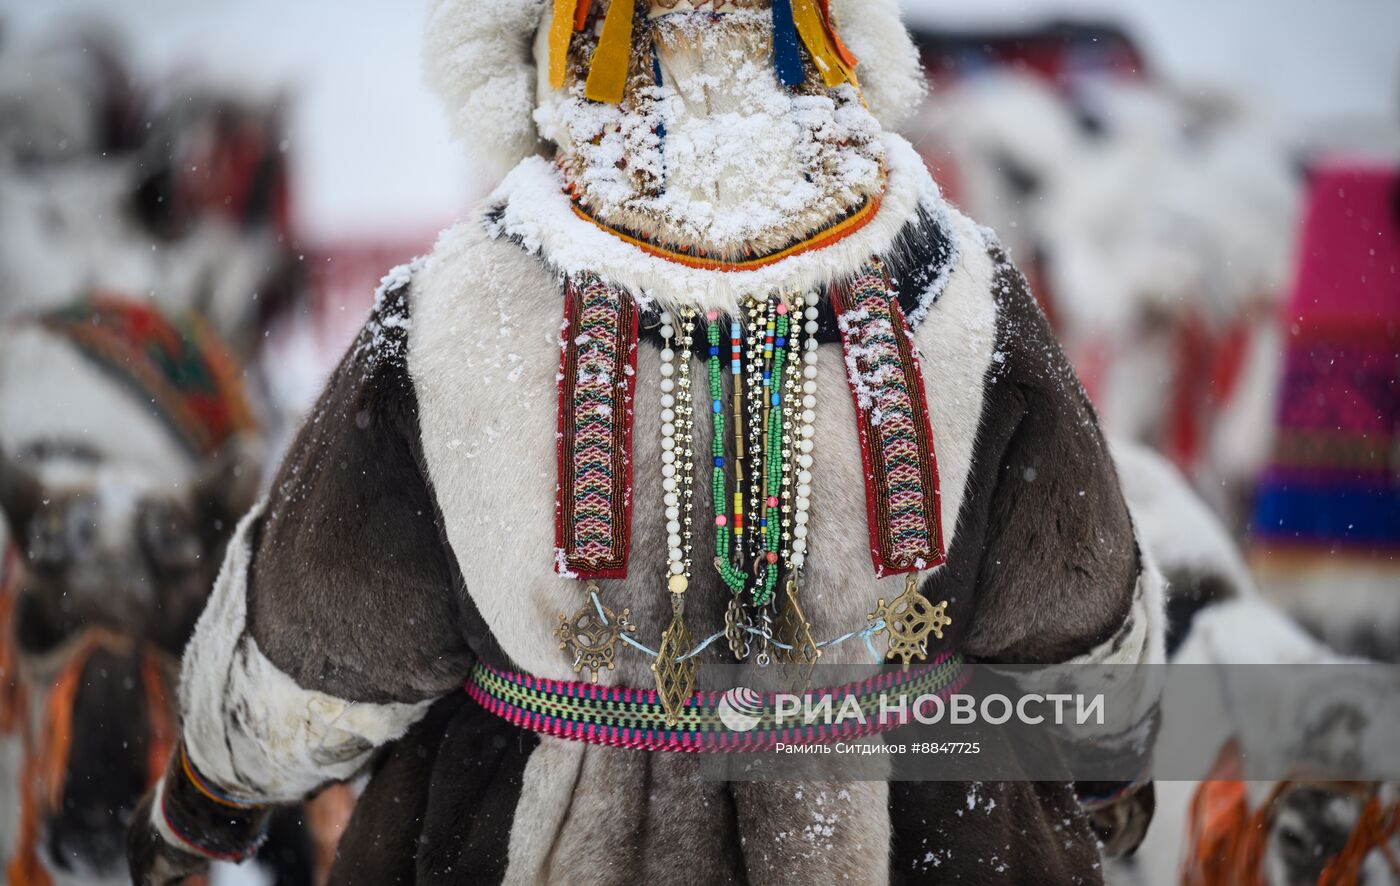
point(410, 532)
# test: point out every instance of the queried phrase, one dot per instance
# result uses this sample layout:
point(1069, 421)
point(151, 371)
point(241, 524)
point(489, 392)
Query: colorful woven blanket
point(181, 366)
point(1333, 485)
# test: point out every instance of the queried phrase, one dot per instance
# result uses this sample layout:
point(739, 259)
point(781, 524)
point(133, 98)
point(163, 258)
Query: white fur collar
point(531, 207)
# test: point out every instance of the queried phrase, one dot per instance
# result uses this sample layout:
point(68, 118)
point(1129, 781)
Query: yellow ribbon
point(561, 31)
point(814, 34)
point(607, 73)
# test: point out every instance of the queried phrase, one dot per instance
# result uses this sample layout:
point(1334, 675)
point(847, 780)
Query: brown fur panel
point(1059, 562)
point(1032, 833)
point(351, 588)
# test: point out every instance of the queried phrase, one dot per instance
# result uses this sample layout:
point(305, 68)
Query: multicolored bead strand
point(775, 349)
point(733, 576)
point(735, 360)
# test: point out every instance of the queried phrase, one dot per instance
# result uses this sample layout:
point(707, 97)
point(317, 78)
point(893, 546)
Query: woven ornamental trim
point(178, 364)
point(896, 437)
point(635, 718)
point(597, 379)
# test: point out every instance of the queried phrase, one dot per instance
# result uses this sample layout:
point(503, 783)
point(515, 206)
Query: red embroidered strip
point(597, 377)
point(896, 437)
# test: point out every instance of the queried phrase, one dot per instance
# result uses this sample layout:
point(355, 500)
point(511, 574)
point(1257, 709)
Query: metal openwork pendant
point(675, 678)
point(797, 649)
point(909, 619)
point(795, 631)
point(736, 620)
point(592, 633)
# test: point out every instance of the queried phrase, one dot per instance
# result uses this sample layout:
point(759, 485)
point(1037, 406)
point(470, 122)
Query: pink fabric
point(1349, 250)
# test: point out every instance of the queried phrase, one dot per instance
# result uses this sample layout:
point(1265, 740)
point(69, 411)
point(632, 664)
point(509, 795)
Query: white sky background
point(372, 154)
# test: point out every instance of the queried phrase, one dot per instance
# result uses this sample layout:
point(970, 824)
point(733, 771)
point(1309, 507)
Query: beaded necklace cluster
point(761, 459)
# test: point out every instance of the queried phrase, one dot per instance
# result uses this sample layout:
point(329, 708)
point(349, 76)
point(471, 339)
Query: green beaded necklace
point(727, 525)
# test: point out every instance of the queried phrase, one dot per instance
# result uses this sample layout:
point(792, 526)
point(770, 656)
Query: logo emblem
point(740, 709)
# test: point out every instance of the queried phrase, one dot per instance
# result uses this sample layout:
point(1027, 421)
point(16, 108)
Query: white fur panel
point(546, 791)
point(477, 57)
point(540, 215)
point(248, 726)
point(484, 355)
point(890, 71)
point(957, 342)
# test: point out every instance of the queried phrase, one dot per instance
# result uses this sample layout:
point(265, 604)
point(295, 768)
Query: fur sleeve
point(335, 621)
point(1062, 577)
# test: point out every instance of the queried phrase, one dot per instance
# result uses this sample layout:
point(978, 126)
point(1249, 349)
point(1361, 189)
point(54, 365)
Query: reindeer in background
point(129, 451)
point(1159, 227)
point(145, 244)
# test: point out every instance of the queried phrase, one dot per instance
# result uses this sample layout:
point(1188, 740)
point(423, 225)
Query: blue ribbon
point(787, 61)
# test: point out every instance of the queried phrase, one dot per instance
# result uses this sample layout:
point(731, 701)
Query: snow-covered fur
point(462, 442)
point(534, 210)
point(410, 533)
point(479, 58)
point(442, 420)
point(717, 156)
point(891, 73)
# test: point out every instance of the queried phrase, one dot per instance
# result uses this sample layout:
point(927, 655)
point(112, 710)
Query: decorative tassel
point(787, 61)
point(607, 72)
point(561, 31)
point(815, 36)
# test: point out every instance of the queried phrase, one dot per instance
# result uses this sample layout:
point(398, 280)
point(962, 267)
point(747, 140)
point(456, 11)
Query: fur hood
point(478, 58)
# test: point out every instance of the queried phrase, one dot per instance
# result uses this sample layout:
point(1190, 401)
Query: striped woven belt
point(634, 718)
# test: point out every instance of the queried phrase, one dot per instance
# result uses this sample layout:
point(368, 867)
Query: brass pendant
point(909, 619)
point(795, 631)
point(735, 620)
point(593, 639)
point(675, 680)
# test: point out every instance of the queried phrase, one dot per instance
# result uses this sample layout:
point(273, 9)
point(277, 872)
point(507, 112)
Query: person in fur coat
point(705, 199)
